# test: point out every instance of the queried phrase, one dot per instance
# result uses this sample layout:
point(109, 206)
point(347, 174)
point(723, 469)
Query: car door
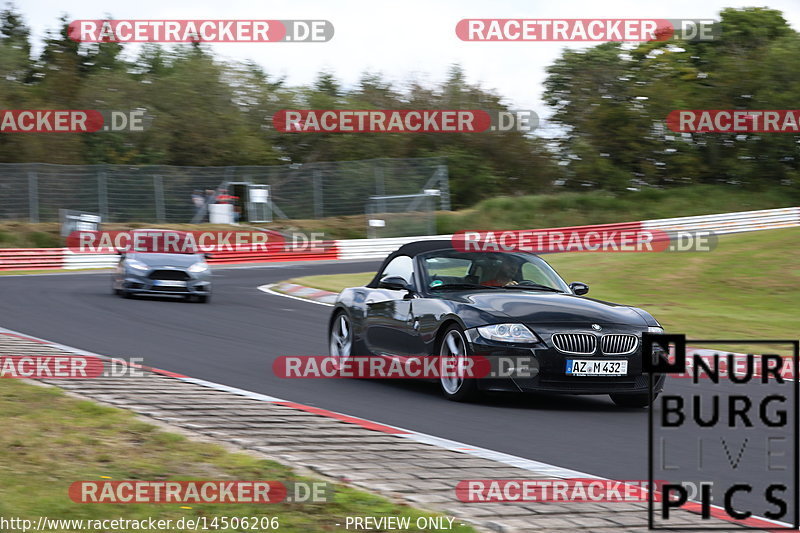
point(390, 324)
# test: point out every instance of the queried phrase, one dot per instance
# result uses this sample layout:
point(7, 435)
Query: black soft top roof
point(412, 249)
point(420, 247)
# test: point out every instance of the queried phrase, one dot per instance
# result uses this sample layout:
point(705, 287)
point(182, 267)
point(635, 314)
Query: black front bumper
point(547, 370)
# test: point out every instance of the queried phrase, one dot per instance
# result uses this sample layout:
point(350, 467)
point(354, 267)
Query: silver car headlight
point(137, 265)
point(507, 333)
point(196, 268)
point(655, 329)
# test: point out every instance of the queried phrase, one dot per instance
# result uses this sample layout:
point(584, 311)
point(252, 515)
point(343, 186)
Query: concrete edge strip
point(511, 460)
point(439, 442)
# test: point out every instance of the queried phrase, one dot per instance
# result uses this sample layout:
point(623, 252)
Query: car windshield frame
point(557, 283)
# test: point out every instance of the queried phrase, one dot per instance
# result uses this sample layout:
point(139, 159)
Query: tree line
point(607, 105)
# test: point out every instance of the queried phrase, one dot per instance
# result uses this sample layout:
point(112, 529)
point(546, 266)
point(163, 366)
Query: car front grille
point(576, 343)
point(618, 344)
point(172, 275)
point(172, 289)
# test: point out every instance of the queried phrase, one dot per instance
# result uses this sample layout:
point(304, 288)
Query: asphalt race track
point(234, 339)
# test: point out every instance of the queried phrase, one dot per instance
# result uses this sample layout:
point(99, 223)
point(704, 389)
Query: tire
point(125, 294)
point(203, 298)
point(340, 338)
point(454, 344)
point(632, 400)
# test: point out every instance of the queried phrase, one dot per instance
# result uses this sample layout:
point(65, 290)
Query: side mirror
point(395, 283)
point(578, 288)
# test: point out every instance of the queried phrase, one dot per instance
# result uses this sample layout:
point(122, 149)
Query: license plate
point(169, 283)
point(584, 367)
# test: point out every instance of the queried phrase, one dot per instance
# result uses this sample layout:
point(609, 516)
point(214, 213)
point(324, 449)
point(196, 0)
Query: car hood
point(164, 260)
point(548, 308)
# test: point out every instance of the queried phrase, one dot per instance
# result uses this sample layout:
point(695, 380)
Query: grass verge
point(50, 440)
point(600, 207)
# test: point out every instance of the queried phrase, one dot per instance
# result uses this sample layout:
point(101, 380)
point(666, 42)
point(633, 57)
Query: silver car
point(186, 275)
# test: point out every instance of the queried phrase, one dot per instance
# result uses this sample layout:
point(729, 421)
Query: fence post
point(444, 187)
point(158, 191)
point(431, 208)
point(102, 195)
point(317, 194)
point(33, 197)
point(380, 186)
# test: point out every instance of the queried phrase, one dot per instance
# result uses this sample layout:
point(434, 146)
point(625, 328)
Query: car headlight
point(507, 333)
point(198, 267)
point(137, 265)
point(655, 329)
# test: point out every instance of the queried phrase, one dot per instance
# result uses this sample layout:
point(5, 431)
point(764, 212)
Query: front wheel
point(340, 341)
point(453, 354)
point(632, 400)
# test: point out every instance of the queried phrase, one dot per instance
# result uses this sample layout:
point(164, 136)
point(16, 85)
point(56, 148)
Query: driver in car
point(504, 276)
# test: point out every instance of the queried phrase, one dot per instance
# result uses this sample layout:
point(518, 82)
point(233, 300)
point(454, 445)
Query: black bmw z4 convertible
point(430, 299)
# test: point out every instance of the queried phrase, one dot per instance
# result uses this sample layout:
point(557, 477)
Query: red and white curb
point(300, 292)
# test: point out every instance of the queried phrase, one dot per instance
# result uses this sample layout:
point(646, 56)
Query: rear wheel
point(632, 400)
point(453, 353)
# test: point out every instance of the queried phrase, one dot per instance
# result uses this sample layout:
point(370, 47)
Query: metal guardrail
point(730, 222)
point(378, 248)
point(51, 258)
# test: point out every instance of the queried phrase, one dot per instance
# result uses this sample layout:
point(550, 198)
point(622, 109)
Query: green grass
point(748, 287)
point(50, 440)
point(599, 207)
point(335, 282)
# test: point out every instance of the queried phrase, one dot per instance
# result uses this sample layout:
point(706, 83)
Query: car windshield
point(451, 269)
